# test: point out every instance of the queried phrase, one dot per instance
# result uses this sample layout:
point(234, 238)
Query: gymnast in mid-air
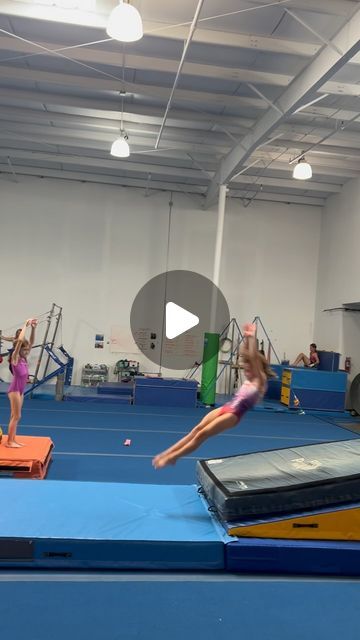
point(257, 371)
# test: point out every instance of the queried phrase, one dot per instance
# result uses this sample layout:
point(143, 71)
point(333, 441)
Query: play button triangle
point(178, 320)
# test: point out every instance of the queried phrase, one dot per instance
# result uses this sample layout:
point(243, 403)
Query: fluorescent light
point(125, 23)
point(302, 170)
point(120, 147)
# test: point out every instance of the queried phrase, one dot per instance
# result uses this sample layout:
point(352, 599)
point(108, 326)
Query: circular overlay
point(170, 315)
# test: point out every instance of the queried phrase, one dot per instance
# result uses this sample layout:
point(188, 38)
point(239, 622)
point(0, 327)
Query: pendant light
point(302, 170)
point(125, 23)
point(120, 147)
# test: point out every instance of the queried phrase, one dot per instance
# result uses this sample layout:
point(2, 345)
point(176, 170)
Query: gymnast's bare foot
point(156, 460)
point(162, 461)
point(14, 445)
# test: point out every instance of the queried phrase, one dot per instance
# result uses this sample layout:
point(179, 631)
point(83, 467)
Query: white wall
point(89, 248)
point(338, 276)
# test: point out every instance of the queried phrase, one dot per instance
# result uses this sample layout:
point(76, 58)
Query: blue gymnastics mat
point(88, 525)
point(295, 557)
point(105, 525)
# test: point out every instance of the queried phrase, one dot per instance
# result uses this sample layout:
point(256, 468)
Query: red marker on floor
point(127, 442)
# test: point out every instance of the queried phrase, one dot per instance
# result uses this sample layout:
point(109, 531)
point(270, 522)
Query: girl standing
point(20, 371)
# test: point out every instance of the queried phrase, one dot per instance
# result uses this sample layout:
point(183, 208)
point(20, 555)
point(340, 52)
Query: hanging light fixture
point(302, 170)
point(125, 23)
point(120, 147)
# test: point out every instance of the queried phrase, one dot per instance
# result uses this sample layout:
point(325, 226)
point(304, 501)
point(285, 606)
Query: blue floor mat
point(176, 607)
point(89, 439)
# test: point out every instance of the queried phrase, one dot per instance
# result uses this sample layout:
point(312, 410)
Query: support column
point(211, 338)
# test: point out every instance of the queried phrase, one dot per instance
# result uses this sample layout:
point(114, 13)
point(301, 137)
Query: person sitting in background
point(308, 361)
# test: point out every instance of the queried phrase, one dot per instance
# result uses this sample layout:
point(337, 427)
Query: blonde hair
point(25, 344)
point(245, 355)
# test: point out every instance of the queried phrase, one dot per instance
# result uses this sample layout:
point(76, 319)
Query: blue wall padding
point(165, 392)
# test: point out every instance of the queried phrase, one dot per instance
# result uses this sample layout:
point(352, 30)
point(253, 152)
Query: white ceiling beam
point(322, 164)
point(318, 72)
point(327, 170)
point(179, 69)
point(328, 113)
point(124, 181)
point(148, 118)
point(144, 63)
point(99, 18)
point(109, 108)
point(281, 183)
point(132, 122)
point(103, 84)
point(202, 35)
point(267, 196)
point(334, 165)
point(21, 155)
point(54, 137)
point(137, 114)
point(58, 135)
point(43, 133)
point(237, 40)
point(149, 125)
point(323, 148)
point(182, 140)
point(100, 82)
point(174, 157)
point(53, 14)
point(337, 7)
point(90, 55)
point(308, 27)
point(116, 165)
point(313, 133)
point(111, 127)
point(83, 176)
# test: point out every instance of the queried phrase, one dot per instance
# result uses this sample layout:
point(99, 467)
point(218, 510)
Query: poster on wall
point(99, 341)
point(145, 339)
point(121, 341)
point(189, 344)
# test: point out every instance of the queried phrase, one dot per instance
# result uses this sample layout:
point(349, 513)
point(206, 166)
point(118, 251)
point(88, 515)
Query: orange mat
point(30, 461)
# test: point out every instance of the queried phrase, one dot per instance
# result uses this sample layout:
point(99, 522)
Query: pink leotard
point(20, 376)
point(244, 399)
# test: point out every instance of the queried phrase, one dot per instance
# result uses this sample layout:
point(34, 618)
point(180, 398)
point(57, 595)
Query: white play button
point(172, 335)
point(178, 320)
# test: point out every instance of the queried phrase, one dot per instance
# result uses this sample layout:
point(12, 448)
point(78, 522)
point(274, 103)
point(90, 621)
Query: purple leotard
point(20, 376)
point(243, 400)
